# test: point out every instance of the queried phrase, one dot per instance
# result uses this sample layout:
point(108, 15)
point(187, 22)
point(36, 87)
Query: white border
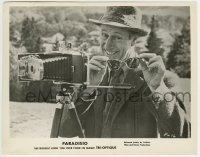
point(197, 62)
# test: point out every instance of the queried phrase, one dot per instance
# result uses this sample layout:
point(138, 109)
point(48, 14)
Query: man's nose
point(109, 43)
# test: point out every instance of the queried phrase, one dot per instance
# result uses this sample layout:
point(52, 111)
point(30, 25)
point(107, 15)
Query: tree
point(73, 28)
point(179, 56)
point(76, 15)
point(56, 45)
point(11, 32)
point(30, 35)
point(17, 89)
point(59, 16)
point(153, 42)
point(38, 45)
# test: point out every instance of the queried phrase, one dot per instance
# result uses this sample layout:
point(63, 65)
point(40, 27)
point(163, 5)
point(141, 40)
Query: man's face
point(115, 41)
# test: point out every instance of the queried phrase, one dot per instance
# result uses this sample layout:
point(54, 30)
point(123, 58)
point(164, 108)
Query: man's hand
point(97, 68)
point(153, 70)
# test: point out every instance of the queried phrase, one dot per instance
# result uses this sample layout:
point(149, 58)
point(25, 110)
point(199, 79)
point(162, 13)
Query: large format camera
point(68, 66)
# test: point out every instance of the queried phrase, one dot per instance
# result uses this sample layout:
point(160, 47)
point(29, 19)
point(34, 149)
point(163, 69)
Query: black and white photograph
point(100, 72)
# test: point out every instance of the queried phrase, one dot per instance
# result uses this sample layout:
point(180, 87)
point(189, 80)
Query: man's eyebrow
point(118, 33)
point(103, 30)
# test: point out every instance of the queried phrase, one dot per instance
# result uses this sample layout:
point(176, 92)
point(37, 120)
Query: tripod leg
point(66, 101)
point(76, 119)
point(56, 122)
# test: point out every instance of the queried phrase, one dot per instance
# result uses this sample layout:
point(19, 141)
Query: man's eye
point(117, 37)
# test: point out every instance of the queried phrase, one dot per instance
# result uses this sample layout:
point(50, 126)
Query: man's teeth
point(110, 53)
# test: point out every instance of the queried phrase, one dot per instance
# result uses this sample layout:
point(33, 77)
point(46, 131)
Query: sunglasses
point(131, 63)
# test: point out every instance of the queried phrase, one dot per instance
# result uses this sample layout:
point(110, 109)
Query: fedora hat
point(122, 16)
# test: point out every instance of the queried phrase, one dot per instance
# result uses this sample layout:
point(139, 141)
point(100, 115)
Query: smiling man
point(146, 110)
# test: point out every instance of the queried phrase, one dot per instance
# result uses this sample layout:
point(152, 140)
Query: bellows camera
point(68, 67)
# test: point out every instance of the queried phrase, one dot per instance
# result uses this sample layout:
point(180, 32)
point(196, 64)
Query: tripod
point(64, 97)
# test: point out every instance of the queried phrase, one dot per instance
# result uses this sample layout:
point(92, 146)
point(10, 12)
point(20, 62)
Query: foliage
point(56, 46)
point(30, 35)
point(12, 32)
point(74, 28)
point(17, 89)
point(179, 57)
point(153, 42)
point(76, 16)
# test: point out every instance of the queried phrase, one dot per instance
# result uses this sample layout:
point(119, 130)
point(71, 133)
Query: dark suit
point(130, 115)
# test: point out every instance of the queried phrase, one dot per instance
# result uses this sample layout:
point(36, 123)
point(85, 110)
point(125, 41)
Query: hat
point(122, 16)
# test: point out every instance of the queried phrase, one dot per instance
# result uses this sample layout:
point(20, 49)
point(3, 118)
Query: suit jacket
point(132, 114)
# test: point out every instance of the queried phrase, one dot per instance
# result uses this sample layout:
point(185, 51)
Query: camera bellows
point(56, 68)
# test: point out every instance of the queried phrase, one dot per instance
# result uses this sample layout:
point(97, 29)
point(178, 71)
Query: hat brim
point(139, 31)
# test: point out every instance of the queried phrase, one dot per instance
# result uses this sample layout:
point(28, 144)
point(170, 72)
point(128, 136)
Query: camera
point(68, 67)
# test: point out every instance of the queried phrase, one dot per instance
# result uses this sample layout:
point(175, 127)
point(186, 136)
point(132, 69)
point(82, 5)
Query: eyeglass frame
point(140, 59)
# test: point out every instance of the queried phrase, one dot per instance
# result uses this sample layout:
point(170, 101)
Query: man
point(145, 110)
